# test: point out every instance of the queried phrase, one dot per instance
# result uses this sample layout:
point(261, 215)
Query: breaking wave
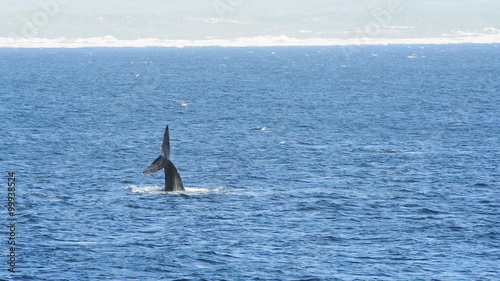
point(484, 36)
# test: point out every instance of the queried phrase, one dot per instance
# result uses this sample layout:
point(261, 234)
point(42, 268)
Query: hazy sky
point(199, 19)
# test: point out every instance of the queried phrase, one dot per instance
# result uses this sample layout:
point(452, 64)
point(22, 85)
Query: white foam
point(145, 189)
point(161, 190)
point(484, 36)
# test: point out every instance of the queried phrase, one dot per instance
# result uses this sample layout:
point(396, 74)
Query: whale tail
point(173, 181)
point(157, 165)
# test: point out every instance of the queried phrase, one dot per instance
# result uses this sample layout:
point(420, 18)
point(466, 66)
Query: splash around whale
point(173, 181)
point(189, 191)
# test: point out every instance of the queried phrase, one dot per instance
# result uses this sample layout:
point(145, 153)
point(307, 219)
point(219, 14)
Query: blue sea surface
point(301, 163)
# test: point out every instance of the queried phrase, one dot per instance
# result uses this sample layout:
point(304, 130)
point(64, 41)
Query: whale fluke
point(173, 181)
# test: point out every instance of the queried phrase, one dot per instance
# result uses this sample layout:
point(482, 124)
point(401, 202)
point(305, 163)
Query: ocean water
point(301, 163)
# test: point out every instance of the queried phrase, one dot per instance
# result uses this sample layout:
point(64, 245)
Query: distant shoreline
point(259, 41)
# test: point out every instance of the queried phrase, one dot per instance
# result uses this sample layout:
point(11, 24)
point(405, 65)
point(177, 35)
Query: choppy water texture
point(324, 163)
